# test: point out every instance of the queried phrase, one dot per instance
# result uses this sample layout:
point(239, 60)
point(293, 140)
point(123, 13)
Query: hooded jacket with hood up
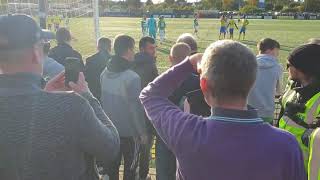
point(267, 86)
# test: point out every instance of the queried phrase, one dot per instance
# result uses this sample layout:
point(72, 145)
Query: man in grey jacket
point(269, 79)
point(120, 92)
point(46, 134)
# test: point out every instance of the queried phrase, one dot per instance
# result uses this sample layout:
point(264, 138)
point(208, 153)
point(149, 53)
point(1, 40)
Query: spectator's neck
point(236, 105)
point(306, 82)
point(270, 54)
point(13, 69)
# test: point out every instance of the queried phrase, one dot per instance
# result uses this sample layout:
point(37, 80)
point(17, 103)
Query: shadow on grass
point(163, 50)
point(250, 43)
point(282, 48)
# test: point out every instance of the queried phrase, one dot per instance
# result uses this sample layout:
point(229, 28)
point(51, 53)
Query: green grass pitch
point(290, 33)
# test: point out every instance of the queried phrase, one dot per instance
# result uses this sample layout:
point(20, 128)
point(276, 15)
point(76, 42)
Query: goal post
point(73, 10)
point(96, 15)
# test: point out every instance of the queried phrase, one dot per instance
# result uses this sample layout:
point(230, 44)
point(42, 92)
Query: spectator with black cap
point(46, 134)
point(301, 102)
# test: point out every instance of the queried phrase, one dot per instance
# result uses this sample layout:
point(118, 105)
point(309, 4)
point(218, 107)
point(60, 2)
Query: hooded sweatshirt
point(120, 97)
point(267, 85)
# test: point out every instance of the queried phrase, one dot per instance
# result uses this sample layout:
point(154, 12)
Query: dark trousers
point(127, 151)
point(145, 157)
point(165, 162)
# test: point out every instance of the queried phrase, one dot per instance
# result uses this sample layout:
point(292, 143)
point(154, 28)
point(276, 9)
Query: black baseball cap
point(20, 31)
point(306, 58)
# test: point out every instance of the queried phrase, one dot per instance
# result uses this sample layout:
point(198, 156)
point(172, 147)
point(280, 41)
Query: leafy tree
point(294, 4)
point(312, 5)
point(252, 2)
point(169, 1)
point(212, 4)
point(149, 2)
point(269, 7)
point(180, 2)
point(290, 10)
point(227, 4)
point(133, 4)
point(247, 9)
point(278, 7)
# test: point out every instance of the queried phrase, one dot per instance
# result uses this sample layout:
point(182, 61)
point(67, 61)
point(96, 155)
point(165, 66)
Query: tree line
point(244, 6)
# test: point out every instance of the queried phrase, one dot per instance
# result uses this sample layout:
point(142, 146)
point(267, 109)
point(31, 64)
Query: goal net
point(79, 16)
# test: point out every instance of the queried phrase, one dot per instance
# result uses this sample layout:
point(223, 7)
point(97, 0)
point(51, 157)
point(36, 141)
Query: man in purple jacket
point(233, 143)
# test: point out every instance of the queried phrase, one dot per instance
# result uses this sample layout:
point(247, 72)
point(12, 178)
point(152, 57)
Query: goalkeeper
point(152, 26)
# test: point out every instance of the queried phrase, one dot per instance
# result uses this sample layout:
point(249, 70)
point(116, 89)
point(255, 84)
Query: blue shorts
point(223, 29)
point(243, 30)
point(231, 30)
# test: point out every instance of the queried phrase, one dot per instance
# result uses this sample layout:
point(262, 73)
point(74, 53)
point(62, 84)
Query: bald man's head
point(179, 52)
point(190, 40)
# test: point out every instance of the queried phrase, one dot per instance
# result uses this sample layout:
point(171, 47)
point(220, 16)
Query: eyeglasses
point(288, 65)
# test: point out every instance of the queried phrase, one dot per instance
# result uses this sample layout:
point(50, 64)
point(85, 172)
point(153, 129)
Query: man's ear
point(204, 85)
point(171, 59)
point(205, 91)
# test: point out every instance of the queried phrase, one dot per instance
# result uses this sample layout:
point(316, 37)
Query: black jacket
point(95, 64)
point(145, 66)
point(303, 95)
point(62, 51)
point(190, 89)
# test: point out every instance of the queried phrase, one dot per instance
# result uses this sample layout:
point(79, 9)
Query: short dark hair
point(46, 48)
point(145, 40)
point(230, 68)
point(190, 40)
point(63, 35)
point(122, 43)
point(104, 44)
point(268, 44)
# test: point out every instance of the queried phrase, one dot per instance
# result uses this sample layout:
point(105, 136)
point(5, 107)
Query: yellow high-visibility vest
point(309, 116)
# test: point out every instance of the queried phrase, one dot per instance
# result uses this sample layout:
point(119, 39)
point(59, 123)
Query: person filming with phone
point(47, 133)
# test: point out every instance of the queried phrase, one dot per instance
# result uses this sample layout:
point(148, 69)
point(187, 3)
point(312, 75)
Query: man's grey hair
point(230, 68)
point(190, 40)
